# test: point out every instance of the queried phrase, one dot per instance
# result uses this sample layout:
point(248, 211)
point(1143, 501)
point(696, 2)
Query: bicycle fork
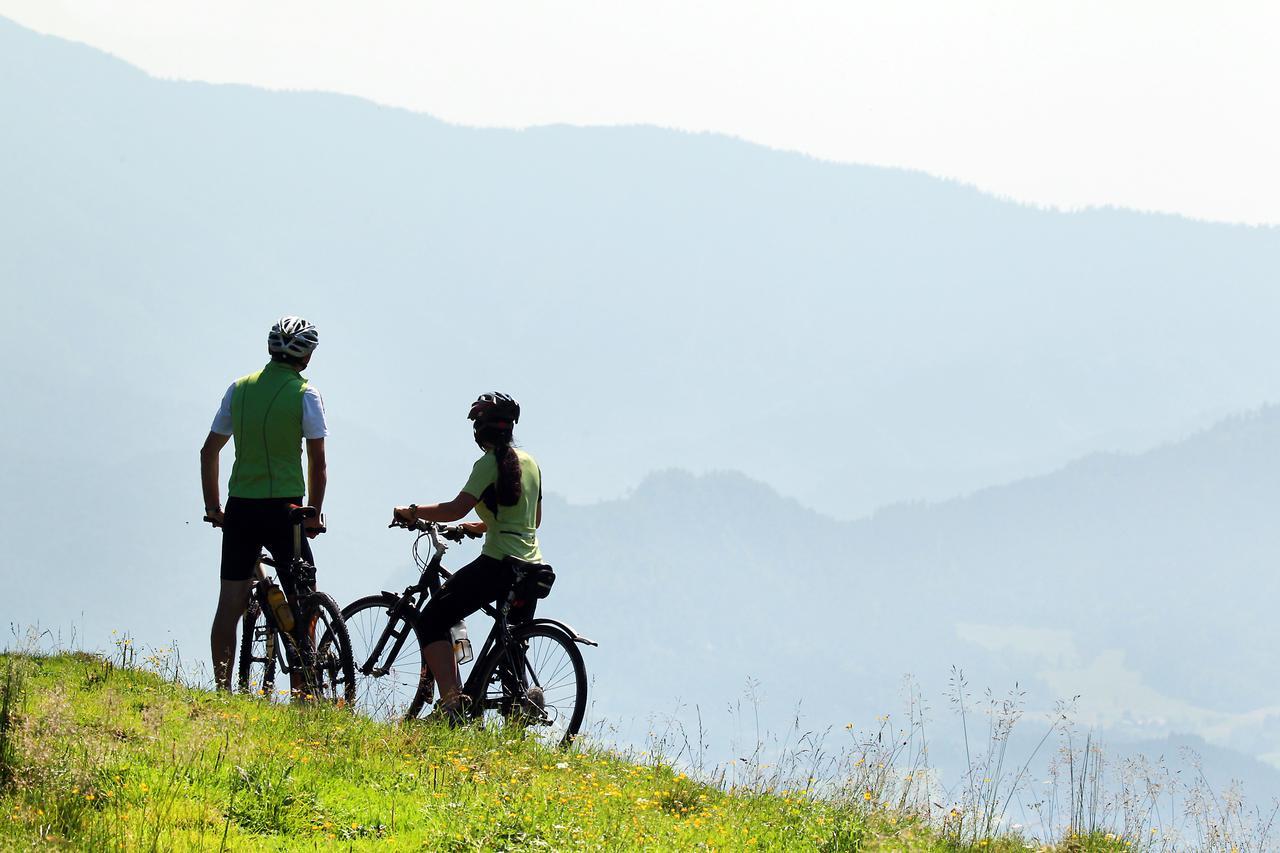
point(394, 617)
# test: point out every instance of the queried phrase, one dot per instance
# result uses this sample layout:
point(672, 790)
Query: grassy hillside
point(98, 756)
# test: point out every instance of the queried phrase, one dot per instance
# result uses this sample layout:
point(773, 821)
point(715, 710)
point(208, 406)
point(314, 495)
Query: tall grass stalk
point(11, 694)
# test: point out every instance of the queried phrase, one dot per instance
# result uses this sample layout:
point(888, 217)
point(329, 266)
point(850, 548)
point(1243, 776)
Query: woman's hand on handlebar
point(407, 517)
point(466, 530)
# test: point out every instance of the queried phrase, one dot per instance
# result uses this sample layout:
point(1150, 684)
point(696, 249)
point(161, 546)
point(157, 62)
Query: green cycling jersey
point(512, 530)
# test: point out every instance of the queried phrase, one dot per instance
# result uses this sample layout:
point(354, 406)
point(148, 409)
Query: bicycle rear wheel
point(387, 688)
point(331, 675)
point(256, 675)
point(538, 683)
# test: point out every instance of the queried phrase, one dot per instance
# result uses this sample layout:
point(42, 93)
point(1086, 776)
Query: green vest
point(266, 422)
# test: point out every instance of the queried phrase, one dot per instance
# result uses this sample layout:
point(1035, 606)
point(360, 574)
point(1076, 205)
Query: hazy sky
point(1164, 105)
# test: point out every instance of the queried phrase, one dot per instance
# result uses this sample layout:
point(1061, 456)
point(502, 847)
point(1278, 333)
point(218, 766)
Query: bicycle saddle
point(298, 513)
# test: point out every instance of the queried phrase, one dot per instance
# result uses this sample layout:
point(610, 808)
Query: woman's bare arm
point(442, 512)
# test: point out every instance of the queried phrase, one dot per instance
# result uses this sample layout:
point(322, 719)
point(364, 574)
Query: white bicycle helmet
point(292, 336)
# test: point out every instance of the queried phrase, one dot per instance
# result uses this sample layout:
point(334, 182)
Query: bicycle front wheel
point(537, 683)
point(393, 683)
point(256, 675)
point(331, 675)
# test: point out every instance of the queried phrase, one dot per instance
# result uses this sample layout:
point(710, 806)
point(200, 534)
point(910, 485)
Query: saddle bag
point(534, 579)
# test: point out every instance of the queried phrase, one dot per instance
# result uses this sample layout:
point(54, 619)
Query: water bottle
point(280, 607)
point(461, 645)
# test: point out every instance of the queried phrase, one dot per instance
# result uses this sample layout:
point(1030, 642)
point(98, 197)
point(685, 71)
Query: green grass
point(97, 756)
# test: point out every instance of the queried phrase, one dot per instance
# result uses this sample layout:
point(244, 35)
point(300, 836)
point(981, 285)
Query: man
point(269, 413)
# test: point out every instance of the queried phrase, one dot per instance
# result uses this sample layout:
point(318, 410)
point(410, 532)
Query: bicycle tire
point(256, 673)
point(551, 660)
point(331, 676)
point(406, 687)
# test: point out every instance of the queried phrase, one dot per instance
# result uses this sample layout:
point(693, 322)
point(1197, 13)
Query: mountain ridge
point(669, 269)
point(1111, 552)
point(818, 158)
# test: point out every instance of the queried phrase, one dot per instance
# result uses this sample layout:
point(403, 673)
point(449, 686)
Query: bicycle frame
point(501, 641)
point(413, 599)
point(297, 580)
point(289, 585)
point(499, 637)
point(499, 667)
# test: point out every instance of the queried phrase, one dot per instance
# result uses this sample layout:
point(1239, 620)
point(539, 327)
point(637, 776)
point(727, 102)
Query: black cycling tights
point(252, 524)
point(479, 582)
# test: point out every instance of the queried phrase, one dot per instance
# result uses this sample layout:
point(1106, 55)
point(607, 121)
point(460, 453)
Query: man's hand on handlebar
point(313, 526)
point(216, 517)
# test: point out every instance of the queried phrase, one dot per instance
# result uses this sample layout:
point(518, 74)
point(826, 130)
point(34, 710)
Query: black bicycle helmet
point(494, 409)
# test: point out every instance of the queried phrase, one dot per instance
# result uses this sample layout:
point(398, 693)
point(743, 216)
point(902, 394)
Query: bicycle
point(322, 671)
point(529, 675)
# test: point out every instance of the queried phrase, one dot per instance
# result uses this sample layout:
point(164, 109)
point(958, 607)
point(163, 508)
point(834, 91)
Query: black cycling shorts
point(482, 581)
point(252, 524)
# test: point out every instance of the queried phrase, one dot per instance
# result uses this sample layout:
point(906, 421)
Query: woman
point(505, 489)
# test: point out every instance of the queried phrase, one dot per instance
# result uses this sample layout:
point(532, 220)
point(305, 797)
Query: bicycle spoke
point(327, 669)
point(257, 655)
point(540, 686)
point(387, 694)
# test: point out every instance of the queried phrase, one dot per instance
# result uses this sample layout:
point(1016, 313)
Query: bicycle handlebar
point(452, 532)
point(297, 515)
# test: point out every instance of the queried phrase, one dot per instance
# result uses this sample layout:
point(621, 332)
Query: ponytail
point(509, 485)
point(507, 491)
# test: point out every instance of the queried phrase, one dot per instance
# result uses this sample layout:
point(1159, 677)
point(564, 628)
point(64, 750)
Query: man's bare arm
point(209, 473)
point(317, 473)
